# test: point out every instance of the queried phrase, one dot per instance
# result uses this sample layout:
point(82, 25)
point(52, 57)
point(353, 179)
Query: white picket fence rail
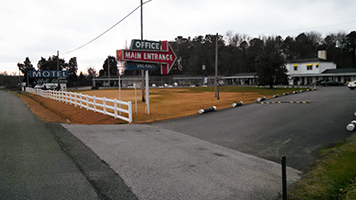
point(111, 107)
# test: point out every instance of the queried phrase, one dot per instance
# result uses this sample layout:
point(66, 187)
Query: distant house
point(315, 70)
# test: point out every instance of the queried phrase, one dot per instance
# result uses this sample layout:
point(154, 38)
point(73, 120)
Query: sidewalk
point(160, 164)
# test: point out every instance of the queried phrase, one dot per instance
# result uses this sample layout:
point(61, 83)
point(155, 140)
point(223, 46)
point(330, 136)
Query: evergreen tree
point(25, 68)
point(270, 65)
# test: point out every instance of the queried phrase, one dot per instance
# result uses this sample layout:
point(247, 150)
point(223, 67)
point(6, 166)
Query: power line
point(106, 30)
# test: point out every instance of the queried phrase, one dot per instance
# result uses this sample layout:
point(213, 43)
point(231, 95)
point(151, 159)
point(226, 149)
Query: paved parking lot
point(271, 130)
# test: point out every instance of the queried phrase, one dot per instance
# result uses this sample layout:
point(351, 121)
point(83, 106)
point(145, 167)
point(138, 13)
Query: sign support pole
point(135, 97)
point(120, 90)
point(119, 87)
point(147, 94)
point(142, 71)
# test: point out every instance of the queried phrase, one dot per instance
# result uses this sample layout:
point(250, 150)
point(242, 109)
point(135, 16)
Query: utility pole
point(109, 71)
point(20, 87)
point(57, 60)
point(216, 68)
point(59, 86)
point(142, 71)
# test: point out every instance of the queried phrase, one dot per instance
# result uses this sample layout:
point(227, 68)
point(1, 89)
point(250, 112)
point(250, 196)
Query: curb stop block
point(234, 105)
point(351, 127)
point(202, 111)
point(261, 99)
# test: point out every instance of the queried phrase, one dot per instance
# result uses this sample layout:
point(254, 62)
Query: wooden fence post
point(94, 100)
point(115, 106)
point(87, 102)
point(130, 112)
point(104, 105)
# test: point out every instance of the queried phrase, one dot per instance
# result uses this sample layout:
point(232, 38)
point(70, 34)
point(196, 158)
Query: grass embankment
point(333, 176)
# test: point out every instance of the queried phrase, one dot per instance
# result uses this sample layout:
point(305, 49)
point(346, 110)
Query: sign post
point(147, 94)
point(148, 55)
point(145, 54)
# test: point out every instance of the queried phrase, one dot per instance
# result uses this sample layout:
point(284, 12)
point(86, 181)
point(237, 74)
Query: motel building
point(315, 70)
point(302, 72)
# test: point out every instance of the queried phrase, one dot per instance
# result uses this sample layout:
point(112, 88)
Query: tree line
point(264, 56)
point(237, 53)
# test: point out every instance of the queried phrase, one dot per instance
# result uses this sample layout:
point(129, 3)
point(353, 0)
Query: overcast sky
point(40, 28)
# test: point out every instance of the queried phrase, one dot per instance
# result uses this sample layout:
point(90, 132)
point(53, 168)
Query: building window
point(295, 67)
point(317, 65)
point(309, 66)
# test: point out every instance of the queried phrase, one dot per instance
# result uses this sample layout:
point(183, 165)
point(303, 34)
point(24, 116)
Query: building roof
point(339, 71)
point(308, 60)
point(241, 75)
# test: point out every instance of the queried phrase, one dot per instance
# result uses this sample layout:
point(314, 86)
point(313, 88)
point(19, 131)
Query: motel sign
point(49, 74)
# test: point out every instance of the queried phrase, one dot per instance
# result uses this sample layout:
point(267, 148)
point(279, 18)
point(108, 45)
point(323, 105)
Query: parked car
point(47, 86)
point(331, 83)
point(39, 87)
point(352, 85)
point(319, 82)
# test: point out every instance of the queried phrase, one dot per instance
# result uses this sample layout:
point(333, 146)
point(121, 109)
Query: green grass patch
point(332, 175)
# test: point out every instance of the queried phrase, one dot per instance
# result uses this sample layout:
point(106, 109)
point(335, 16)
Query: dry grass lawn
point(165, 103)
point(174, 102)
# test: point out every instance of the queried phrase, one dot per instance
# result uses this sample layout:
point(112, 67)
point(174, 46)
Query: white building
point(315, 70)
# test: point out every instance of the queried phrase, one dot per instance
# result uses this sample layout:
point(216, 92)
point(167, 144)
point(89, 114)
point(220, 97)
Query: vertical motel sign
point(147, 55)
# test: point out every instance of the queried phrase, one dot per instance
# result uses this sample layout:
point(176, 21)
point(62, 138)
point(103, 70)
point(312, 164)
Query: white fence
point(103, 105)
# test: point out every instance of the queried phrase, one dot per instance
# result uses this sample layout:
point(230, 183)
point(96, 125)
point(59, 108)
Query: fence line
point(111, 107)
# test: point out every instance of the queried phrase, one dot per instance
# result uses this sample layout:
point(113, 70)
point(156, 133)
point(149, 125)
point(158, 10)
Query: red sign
point(166, 56)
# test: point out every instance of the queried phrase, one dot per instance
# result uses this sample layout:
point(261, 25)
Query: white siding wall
point(303, 67)
point(325, 66)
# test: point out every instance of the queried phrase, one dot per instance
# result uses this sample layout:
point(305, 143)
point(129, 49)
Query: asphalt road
point(44, 161)
point(271, 130)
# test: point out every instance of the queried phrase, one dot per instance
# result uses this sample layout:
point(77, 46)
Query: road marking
point(290, 102)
